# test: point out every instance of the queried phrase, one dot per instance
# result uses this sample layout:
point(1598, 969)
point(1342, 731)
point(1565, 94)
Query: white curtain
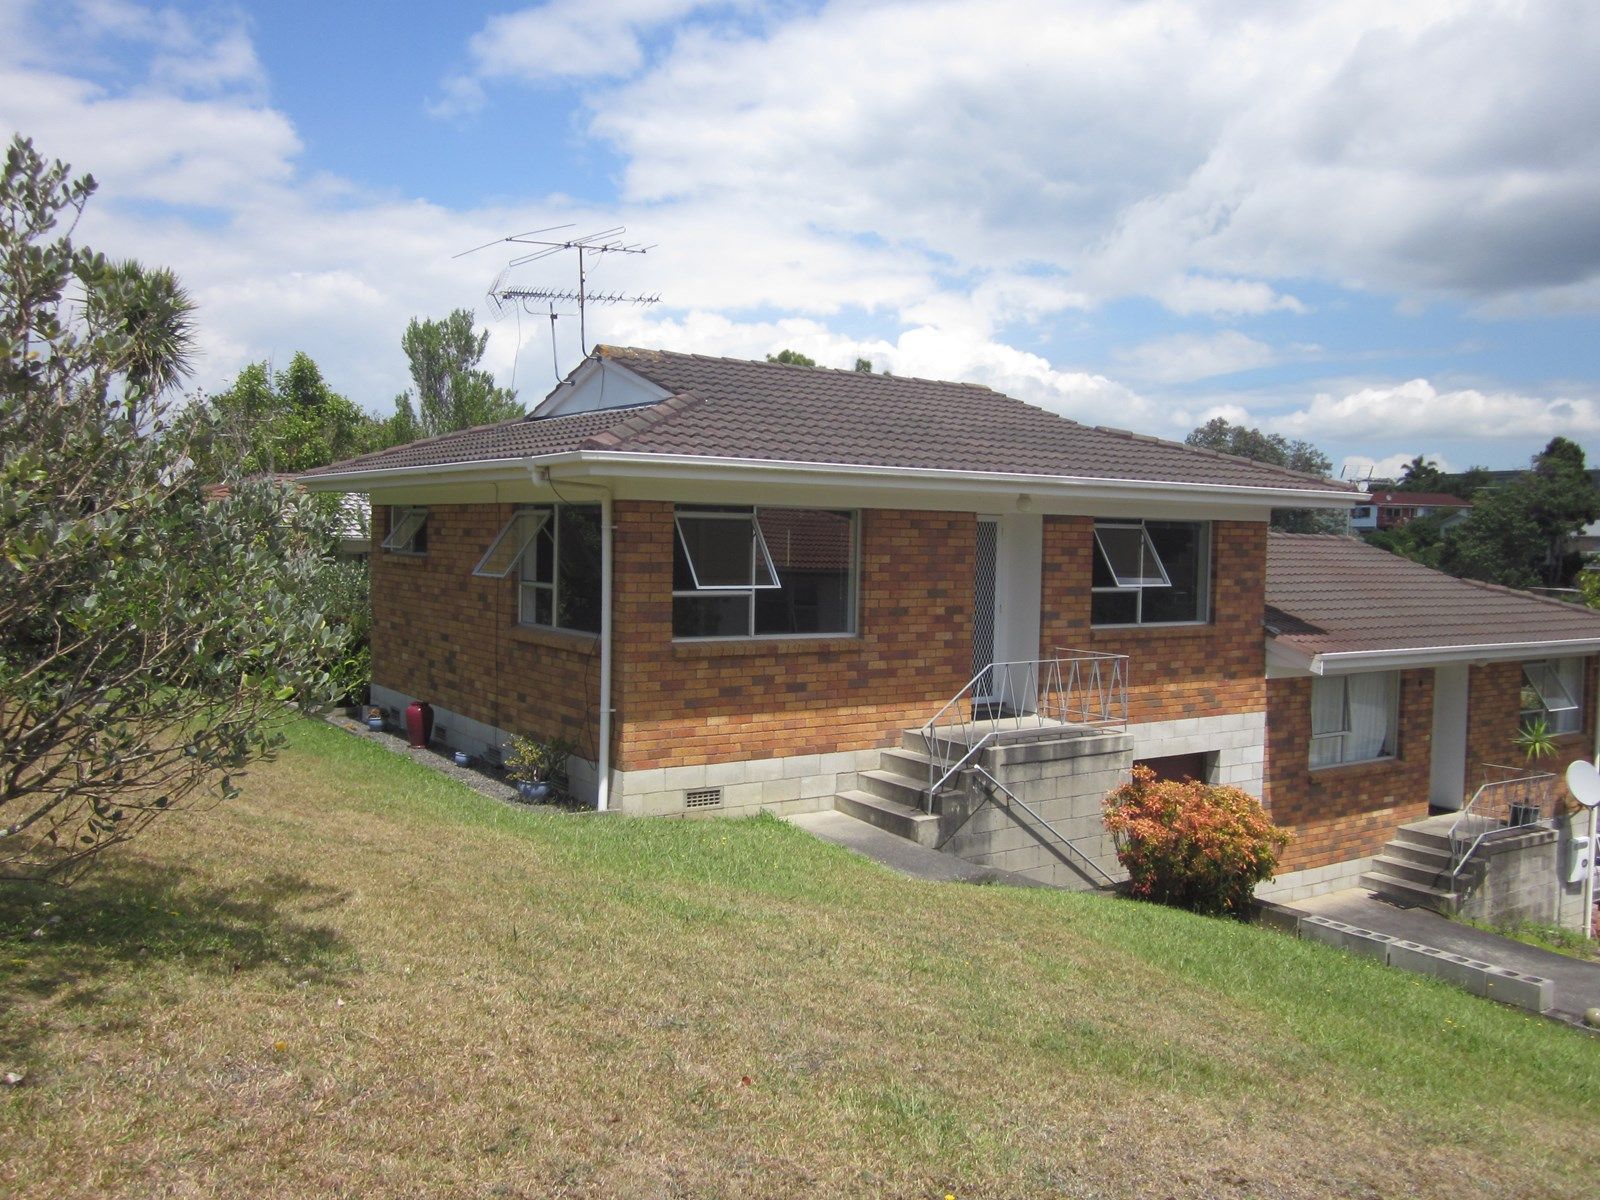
point(1371, 699)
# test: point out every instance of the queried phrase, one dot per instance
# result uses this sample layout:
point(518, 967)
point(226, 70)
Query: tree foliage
point(1521, 534)
point(449, 389)
point(149, 636)
point(793, 358)
point(284, 422)
point(1276, 450)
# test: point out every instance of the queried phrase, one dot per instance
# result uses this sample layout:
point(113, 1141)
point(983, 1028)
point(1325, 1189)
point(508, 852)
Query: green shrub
point(1192, 845)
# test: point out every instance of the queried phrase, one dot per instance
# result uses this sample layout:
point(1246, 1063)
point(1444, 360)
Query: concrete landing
point(899, 855)
point(1577, 983)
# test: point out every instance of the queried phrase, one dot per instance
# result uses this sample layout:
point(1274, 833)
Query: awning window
point(407, 524)
point(512, 543)
point(1130, 556)
point(725, 551)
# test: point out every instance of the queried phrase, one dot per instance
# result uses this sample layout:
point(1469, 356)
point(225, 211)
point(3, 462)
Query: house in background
point(747, 586)
point(1395, 691)
point(1391, 510)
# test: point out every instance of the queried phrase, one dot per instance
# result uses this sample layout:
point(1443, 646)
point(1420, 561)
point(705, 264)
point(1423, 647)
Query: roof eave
point(713, 468)
point(1349, 662)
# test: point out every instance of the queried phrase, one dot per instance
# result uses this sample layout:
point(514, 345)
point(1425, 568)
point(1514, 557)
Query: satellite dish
point(1584, 783)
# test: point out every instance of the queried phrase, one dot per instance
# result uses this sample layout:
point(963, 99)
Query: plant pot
point(532, 791)
point(1524, 814)
point(419, 724)
point(375, 724)
point(462, 758)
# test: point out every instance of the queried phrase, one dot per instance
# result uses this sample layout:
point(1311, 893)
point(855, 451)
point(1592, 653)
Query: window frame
point(517, 568)
point(484, 571)
point(753, 513)
point(1390, 748)
point(1544, 708)
point(1202, 584)
point(409, 546)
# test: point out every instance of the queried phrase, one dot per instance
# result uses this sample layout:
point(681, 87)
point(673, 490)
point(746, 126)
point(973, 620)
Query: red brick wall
point(1177, 671)
point(1344, 812)
point(1494, 715)
point(688, 702)
point(443, 635)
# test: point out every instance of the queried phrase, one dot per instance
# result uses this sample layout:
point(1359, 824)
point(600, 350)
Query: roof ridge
point(612, 351)
point(645, 419)
point(1224, 455)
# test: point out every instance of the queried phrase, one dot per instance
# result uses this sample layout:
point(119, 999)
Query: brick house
point(746, 586)
point(1394, 691)
point(1392, 510)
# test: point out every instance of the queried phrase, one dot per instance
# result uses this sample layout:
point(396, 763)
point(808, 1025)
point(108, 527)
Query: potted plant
point(536, 766)
point(527, 763)
point(1535, 741)
point(375, 719)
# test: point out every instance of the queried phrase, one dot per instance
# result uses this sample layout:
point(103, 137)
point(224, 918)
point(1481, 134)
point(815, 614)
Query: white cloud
point(1357, 467)
point(1188, 356)
point(1418, 408)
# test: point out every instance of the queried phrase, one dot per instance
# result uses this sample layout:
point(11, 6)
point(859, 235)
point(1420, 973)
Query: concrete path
point(1577, 983)
point(901, 855)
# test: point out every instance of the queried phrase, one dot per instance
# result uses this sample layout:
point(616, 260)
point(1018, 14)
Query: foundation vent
point(703, 798)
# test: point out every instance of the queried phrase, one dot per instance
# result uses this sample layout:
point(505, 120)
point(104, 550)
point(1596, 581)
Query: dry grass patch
point(361, 979)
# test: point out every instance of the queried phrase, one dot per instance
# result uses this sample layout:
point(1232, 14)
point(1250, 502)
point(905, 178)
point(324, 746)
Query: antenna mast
point(606, 241)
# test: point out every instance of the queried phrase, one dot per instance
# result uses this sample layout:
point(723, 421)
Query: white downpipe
point(602, 797)
point(602, 767)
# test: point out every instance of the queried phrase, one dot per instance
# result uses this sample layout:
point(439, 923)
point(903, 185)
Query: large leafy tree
point(149, 636)
point(1520, 534)
point(1276, 450)
point(450, 390)
point(286, 421)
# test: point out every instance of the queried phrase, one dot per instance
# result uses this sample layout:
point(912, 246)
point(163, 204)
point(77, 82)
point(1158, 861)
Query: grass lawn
point(362, 979)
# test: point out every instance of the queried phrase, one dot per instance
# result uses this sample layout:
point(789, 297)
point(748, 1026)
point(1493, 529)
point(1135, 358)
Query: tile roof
point(1421, 499)
point(732, 408)
point(1328, 594)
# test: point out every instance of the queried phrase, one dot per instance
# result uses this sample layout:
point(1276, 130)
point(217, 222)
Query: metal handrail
point(1485, 806)
point(1060, 837)
point(1077, 689)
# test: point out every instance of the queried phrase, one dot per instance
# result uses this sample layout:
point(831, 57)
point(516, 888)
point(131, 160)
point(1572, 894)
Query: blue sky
point(1377, 230)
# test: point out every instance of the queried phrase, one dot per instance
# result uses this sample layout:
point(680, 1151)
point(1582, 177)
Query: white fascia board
point(613, 465)
point(713, 469)
point(1350, 662)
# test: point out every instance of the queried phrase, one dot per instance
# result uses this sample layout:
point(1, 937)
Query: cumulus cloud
point(1187, 356)
point(1418, 407)
point(1358, 467)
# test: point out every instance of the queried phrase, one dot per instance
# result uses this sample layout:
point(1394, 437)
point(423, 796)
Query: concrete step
point(891, 786)
point(1430, 874)
point(1408, 892)
point(901, 819)
point(911, 763)
point(1425, 839)
point(1422, 856)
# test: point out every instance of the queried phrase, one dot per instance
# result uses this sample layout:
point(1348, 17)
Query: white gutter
point(1345, 662)
point(711, 468)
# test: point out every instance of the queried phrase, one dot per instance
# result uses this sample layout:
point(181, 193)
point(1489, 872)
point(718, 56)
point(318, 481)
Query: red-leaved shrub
point(1192, 845)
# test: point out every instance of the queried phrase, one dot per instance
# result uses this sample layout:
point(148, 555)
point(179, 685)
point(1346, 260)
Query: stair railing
point(1077, 689)
point(1072, 847)
point(1494, 807)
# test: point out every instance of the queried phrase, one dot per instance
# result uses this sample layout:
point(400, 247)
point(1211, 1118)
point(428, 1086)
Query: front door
point(985, 595)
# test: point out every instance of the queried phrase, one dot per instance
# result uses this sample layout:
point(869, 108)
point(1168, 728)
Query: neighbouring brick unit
point(443, 635)
point(1177, 671)
point(1348, 811)
point(684, 703)
point(1494, 716)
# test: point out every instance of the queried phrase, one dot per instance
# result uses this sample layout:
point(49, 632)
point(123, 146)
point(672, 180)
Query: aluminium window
point(1151, 572)
point(1552, 691)
point(555, 552)
point(763, 572)
point(408, 531)
point(1353, 717)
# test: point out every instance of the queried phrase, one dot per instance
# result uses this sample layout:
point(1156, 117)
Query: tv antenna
point(503, 295)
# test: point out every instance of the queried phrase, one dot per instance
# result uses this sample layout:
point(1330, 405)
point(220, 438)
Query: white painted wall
point(1448, 771)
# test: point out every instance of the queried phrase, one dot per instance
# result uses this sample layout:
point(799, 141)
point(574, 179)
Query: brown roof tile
point(732, 408)
point(1329, 594)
